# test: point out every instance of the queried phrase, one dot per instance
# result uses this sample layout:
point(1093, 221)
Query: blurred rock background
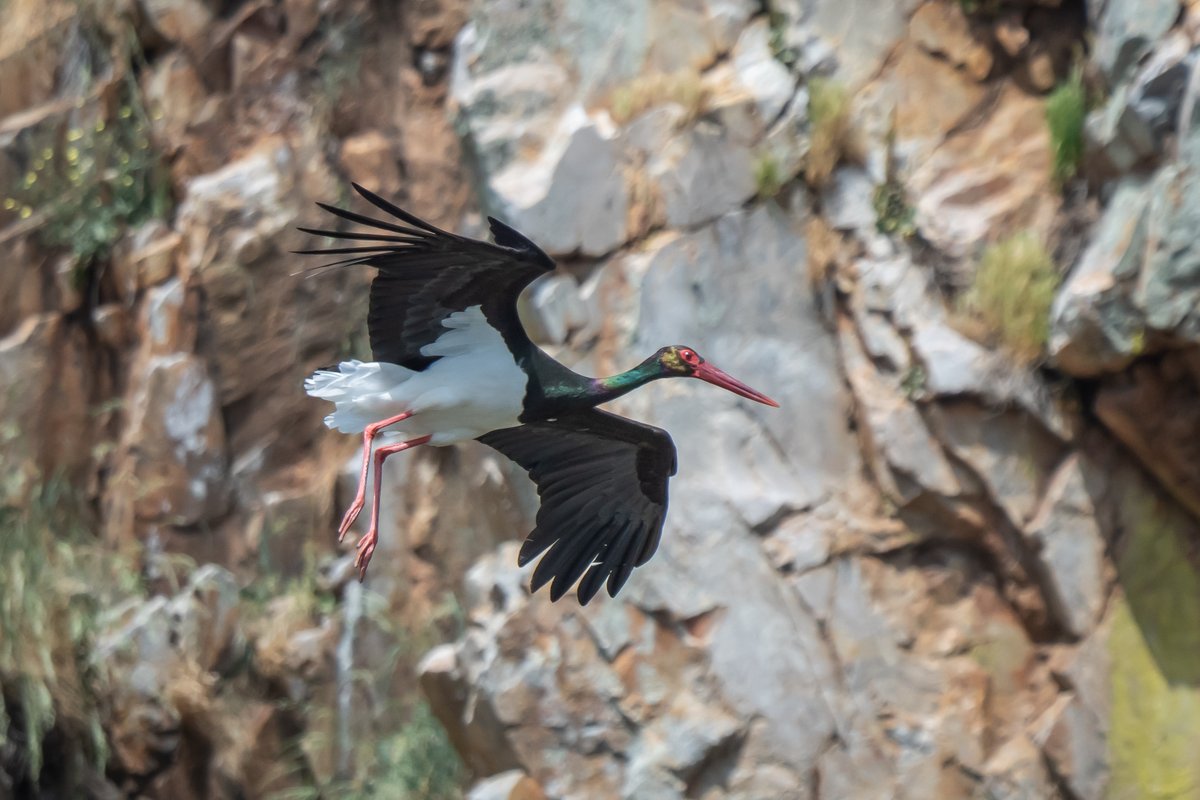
point(955, 238)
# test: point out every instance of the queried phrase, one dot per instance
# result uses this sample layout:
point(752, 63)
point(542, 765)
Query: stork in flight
point(452, 363)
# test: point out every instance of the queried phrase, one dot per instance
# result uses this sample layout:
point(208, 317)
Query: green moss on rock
point(1154, 646)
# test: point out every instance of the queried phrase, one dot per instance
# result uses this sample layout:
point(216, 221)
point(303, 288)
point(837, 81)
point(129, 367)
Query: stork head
point(681, 361)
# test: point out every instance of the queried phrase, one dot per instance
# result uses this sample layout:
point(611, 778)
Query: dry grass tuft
point(1011, 295)
point(644, 92)
point(832, 137)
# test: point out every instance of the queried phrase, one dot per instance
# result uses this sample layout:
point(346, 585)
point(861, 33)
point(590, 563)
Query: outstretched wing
point(602, 480)
point(426, 274)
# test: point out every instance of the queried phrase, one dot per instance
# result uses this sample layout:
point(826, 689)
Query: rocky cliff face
point(951, 238)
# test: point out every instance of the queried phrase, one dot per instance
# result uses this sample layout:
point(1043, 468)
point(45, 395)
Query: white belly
point(474, 387)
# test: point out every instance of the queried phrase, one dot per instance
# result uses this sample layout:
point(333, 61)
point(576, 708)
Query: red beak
point(707, 372)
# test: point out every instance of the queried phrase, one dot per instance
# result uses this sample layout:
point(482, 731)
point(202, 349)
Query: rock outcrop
point(944, 568)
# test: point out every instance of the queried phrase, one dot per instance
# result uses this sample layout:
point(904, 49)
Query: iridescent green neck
point(614, 386)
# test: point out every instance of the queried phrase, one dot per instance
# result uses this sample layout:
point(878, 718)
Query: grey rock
point(1015, 771)
point(953, 365)
point(554, 309)
point(1140, 273)
point(1134, 124)
point(748, 306)
point(541, 197)
point(847, 202)
point(1070, 546)
point(757, 69)
point(702, 174)
point(856, 35)
point(906, 459)
point(1011, 455)
point(501, 110)
point(1169, 288)
point(1117, 137)
point(1095, 326)
point(882, 342)
point(1127, 30)
point(801, 543)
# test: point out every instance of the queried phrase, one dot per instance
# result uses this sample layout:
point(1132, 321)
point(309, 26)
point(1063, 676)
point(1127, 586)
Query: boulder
point(988, 180)
point(1127, 30)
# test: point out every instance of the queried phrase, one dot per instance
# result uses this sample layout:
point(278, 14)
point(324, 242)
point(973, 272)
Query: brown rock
point(511, 785)
point(1152, 409)
point(250, 58)
point(149, 259)
point(184, 22)
point(1039, 66)
point(1012, 35)
point(900, 97)
point(433, 24)
point(302, 17)
point(23, 292)
point(172, 458)
point(113, 326)
point(44, 422)
point(369, 159)
point(988, 180)
point(942, 29)
point(35, 33)
point(167, 320)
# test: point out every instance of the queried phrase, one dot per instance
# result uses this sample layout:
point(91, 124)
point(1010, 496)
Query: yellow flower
point(47, 154)
point(72, 155)
point(127, 180)
point(9, 204)
point(99, 125)
point(26, 212)
point(74, 135)
point(30, 178)
point(125, 113)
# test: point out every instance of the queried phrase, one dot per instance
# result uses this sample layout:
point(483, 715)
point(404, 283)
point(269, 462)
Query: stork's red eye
point(689, 357)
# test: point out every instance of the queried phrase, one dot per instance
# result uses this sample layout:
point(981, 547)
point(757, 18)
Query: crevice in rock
point(713, 773)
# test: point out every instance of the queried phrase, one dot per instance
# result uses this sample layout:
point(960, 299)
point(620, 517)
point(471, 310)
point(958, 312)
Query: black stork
point(452, 362)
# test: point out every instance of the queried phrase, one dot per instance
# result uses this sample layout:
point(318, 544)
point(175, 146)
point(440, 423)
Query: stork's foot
point(351, 514)
point(365, 548)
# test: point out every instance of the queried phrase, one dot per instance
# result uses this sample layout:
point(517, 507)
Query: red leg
point(360, 497)
point(366, 545)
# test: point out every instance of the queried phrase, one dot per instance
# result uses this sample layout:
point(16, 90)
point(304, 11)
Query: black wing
point(426, 274)
point(603, 484)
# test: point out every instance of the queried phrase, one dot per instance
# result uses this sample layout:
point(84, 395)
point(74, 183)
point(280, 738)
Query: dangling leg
point(366, 545)
point(360, 497)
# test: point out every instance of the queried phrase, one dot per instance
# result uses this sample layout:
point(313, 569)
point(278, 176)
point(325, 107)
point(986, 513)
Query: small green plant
point(768, 176)
point(340, 57)
point(90, 182)
point(913, 382)
point(777, 40)
point(1011, 295)
point(417, 762)
point(831, 137)
point(54, 584)
point(1066, 110)
point(631, 99)
point(893, 214)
